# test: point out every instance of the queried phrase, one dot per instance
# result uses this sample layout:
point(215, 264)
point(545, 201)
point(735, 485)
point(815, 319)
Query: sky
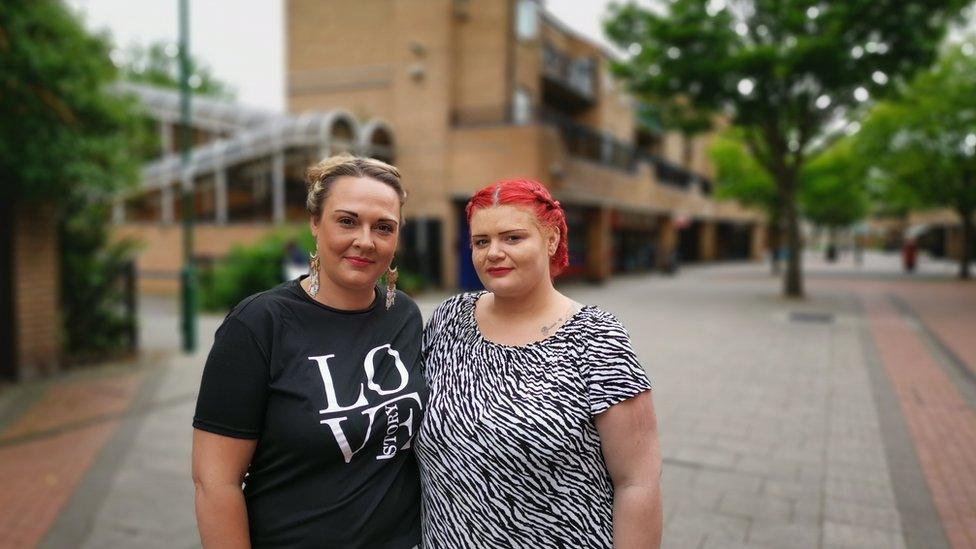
point(242, 41)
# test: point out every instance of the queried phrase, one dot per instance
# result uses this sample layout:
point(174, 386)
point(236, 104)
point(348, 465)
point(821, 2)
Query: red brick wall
point(35, 290)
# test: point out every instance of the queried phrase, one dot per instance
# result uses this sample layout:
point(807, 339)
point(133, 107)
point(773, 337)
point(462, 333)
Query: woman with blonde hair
point(540, 430)
point(313, 390)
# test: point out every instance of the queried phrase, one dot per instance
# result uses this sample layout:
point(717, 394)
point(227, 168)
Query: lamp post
point(187, 274)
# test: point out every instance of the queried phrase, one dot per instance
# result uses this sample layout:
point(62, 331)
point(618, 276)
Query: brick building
point(457, 94)
point(482, 90)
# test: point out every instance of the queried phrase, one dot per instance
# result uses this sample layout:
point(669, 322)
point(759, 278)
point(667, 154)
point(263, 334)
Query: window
point(521, 106)
point(526, 19)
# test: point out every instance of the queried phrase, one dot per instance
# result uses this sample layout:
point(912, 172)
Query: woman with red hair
point(540, 430)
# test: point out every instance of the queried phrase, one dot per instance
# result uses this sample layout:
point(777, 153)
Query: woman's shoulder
point(593, 321)
point(451, 308)
point(456, 303)
point(260, 309)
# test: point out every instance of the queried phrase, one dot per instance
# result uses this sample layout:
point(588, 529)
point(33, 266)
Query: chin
point(503, 287)
point(358, 280)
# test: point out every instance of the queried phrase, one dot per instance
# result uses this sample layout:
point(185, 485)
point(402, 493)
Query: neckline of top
point(472, 299)
point(296, 287)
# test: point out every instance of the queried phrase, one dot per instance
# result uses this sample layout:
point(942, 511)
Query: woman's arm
point(219, 465)
point(628, 433)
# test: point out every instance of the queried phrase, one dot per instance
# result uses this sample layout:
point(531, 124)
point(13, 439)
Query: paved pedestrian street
point(842, 420)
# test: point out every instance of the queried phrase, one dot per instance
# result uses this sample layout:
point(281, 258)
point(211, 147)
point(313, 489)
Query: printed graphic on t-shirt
point(370, 404)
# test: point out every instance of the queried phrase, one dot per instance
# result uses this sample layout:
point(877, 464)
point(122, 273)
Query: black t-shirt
point(334, 398)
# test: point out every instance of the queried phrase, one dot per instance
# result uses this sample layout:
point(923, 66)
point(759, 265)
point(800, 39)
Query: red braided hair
point(532, 194)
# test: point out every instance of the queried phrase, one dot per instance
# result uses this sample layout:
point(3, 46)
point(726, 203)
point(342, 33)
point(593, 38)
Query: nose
point(364, 241)
point(495, 252)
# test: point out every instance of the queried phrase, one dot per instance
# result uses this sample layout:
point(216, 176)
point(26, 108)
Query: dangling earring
point(313, 273)
point(391, 278)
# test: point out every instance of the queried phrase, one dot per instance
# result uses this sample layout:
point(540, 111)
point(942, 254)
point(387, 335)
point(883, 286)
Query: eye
point(479, 242)
point(385, 228)
point(346, 221)
point(513, 238)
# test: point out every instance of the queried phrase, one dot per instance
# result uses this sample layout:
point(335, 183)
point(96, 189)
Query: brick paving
point(942, 425)
point(777, 429)
point(45, 453)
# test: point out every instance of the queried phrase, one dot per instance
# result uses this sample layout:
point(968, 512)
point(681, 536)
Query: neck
point(337, 297)
point(531, 303)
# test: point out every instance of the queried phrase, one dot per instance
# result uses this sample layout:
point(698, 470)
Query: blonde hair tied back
point(320, 177)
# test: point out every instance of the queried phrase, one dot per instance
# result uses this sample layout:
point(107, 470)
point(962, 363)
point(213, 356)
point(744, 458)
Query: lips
point(499, 271)
point(358, 261)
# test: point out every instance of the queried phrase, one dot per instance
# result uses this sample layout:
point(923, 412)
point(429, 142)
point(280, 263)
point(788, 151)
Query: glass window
point(526, 19)
point(521, 106)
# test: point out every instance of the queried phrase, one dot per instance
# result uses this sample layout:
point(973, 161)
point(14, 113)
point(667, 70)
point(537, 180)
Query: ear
point(313, 225)
point(552, 240)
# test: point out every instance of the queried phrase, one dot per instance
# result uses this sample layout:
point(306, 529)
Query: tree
point(67, 142)
point(833, 193)
point(741, 178)
point(782, 71)
point(832, 190)
point(922, 144)
point(158, 65)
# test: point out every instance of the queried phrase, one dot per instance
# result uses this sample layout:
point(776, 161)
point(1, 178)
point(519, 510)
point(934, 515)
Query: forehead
point(504, 217)
point(363, 195)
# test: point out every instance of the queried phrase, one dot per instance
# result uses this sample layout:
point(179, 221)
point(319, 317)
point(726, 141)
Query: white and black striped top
point(508, 451)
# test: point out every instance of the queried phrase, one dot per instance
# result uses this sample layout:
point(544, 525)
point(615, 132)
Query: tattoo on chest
point(550, 328)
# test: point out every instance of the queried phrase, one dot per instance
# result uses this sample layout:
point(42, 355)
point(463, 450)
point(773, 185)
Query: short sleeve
point(434, 325)
point(234, 388)
point(614, 374)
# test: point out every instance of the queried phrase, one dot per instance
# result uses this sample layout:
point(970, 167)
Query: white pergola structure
point(235, 135)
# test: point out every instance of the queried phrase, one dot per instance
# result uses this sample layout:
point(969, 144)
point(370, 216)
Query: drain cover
point(811, 317)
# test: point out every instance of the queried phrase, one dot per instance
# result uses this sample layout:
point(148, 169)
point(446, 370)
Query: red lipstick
point(358, 261)
point(499, 271)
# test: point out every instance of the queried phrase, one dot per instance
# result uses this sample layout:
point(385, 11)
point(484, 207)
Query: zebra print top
point(509, 454)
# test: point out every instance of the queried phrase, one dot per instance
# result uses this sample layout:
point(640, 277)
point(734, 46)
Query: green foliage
point(64, 140)
point(740, 177)
point(159, 65)
point(833, 191)
point(61, 132)
point(95, 325)
point(832, 185)
point(695, 54)
point(247, 270)
point(920, 147)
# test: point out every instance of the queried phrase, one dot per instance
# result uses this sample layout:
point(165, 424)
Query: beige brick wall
point(479, 64)
point(36, 285)
point(161, 255)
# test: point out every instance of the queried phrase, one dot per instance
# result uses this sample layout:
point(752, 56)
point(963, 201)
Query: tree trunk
point(793, 278)
point(967, 238)
point(775, 240)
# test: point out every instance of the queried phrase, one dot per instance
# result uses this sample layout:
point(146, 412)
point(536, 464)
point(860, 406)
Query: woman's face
point(356, 233)
point(509, 249)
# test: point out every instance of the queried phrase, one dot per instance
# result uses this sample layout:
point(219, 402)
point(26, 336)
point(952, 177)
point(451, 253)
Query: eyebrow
point(356, 215)
point(503, 232)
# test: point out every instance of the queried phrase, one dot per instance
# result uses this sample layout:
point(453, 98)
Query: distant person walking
point(313, 390)
point(909, 255)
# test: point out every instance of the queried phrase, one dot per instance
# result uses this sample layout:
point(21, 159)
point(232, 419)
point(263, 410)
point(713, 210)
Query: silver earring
point(313, 273)
point(391, 278)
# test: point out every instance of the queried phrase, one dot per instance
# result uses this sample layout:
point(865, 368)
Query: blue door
point(467, 276)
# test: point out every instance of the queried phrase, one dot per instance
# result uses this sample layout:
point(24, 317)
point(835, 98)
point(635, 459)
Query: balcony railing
point(576, 75)
point(673, 175)
point(583, 142)
point(587, 143)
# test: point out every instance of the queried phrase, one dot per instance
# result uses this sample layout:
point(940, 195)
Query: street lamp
point(187, 275)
